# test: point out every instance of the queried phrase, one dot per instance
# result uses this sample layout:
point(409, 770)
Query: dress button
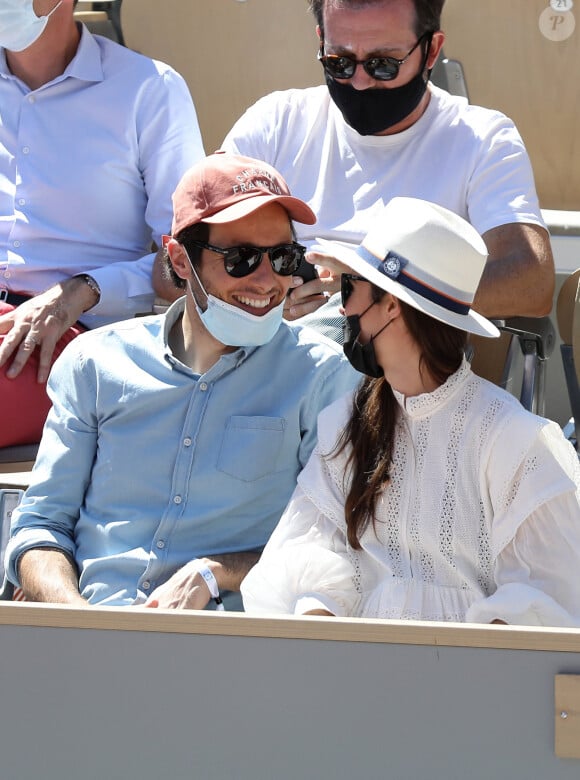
point(146, 585)
point(187, 442)
point(203, 386)
point(161, 544)
point(177, 499)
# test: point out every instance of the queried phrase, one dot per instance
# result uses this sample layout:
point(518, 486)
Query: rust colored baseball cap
point(225, 187)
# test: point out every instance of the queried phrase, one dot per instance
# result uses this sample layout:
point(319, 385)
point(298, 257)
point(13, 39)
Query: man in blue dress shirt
point(174, 441)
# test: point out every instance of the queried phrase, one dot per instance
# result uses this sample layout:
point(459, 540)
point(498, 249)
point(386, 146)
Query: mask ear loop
point(204, 291)
point(429, 40)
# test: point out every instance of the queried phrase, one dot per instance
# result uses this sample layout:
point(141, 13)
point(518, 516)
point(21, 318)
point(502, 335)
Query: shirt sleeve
point(254, 134)
point(537, 572)
point(501, 189)
point(304, 566)
point(339, 381)
point(535, 534)
point(169, 142)
point(48, 512)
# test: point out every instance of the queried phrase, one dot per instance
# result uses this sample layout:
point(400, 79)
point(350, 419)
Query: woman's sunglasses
point(346, 288)
point(240, 261)
point(343, 66)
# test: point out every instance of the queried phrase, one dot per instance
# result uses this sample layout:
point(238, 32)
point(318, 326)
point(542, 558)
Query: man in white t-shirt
point(379, 129)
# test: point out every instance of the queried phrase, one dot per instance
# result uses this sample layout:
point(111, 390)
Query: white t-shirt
point(480, 519)
point(470, 159)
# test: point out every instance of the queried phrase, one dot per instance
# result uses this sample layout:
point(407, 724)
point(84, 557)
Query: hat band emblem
point(393, 265)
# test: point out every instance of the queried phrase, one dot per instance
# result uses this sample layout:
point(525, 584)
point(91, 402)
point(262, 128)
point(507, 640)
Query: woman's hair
point(427, 13)
point(197, 232)
point(370, 431)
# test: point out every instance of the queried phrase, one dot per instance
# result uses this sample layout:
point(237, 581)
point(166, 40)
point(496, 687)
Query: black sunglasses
point(346, 288)
point(240, 261)
point(343, 66)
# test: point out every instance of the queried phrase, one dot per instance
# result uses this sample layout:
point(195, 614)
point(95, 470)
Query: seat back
point(527, 341)
point(20, 457)
point(448, 74)
point(568, 317)
point(9, 500)
point(102, 18)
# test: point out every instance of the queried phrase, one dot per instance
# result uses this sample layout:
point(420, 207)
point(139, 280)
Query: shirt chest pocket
point(251, 447)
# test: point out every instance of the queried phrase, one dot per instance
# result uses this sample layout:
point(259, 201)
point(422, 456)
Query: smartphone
point(307, 271)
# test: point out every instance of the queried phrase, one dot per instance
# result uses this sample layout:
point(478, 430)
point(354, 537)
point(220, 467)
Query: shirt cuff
point(521, 605)
point(309, 602)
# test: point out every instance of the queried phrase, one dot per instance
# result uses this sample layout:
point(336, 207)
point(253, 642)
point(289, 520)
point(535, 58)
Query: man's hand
point(40, 322)
point(185, 590)
point(307, 297)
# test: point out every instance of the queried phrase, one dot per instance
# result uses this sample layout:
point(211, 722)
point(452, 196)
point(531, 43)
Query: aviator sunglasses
point(346, 288)
point(240, 261)
point(343, 66)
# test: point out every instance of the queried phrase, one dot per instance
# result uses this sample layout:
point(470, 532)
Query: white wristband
point(211, 583)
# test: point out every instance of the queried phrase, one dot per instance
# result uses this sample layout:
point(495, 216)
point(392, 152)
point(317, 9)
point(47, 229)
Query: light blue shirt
point(88, 164)
point(145, 465)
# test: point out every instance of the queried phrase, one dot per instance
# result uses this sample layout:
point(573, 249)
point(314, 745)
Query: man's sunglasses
point(240, 261)
point(346, 288)
point(343, 66)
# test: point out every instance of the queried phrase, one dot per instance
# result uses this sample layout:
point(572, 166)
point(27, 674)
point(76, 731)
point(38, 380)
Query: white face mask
point(20, 27)
point(235, 327)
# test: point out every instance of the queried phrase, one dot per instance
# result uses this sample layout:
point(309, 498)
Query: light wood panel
point(230, 52)
point(405, 632)
point(510, 65)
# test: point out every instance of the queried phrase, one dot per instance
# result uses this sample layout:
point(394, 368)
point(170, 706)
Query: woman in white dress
point(432, 493)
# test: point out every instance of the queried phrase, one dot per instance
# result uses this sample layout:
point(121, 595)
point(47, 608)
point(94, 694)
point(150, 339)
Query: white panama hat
point(425, 255)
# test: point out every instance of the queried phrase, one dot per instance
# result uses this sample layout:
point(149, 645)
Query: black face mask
point(370, 111)
point(361, 357)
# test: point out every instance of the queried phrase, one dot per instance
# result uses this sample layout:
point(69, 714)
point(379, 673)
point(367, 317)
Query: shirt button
point(146, 585)
point(7, 275)
point(31, 99)
point(177, 499)
point(203, 386)
point(187, 442)
point(161, 544)
point(25, 149)
point(21, 201)
point(16, 244)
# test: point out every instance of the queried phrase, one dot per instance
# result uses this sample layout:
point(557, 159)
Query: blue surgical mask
point(20, 27)
point(235, 327)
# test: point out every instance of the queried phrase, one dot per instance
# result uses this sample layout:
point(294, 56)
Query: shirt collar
point(428, 403)
point(86, 65)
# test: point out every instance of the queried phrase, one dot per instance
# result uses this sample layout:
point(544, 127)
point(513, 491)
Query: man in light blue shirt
point(94, 138)
point(174, 442)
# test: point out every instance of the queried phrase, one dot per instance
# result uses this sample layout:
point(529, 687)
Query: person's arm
point(46, 518)
point(40, 322)
point(519, 277)
point(535, 527)
point(187, 589)
point(536, 573)
point(169, 142)
point(49, 575)
point(304, 569)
